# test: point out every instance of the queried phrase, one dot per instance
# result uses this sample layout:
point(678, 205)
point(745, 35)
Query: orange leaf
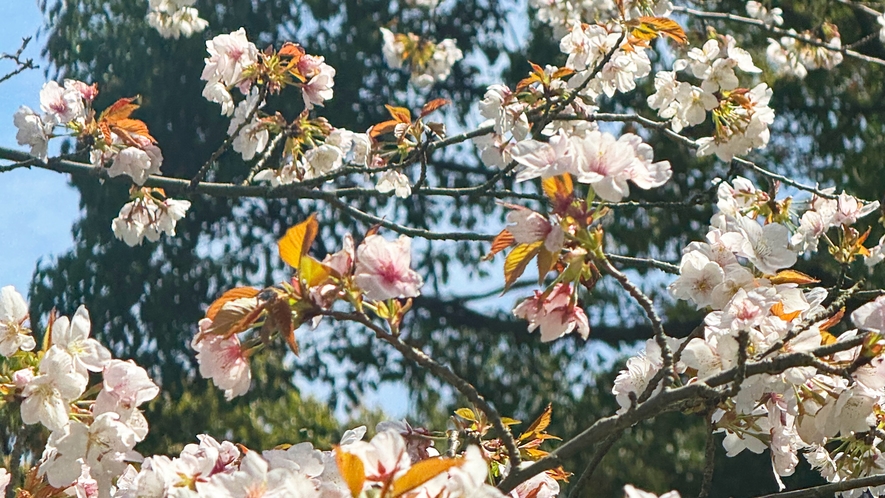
point(383, 127)
point(235, 317)
point(422, 472)
point(433, 105)
point(792, 277)
point(558, 188)
point(502, 241)
point(352, 470)
point(536, 68)
point(525, 82)
point(127, 127)
point(298, 240)
point(561, 73)
point(517, 260)
point(121, 109)
point(539, 425)
point(650, 27)
point(831, 321)
point(293, 50)
point(312, 272)
point(230, 295)
point(778, 310)
point(400, 114)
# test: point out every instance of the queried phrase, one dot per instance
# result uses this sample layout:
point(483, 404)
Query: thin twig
point(604, 447)
point(444, 373)
point(709, 458)
point(265, 156)
point(829, 490)
point(648, 306)
point(16, 58)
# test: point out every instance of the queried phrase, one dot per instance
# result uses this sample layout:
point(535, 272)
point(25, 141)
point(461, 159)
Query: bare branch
point(829, 490)
point(444, 373)
point(16, 58)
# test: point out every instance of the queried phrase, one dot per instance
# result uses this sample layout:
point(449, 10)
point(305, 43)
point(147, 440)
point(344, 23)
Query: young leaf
point(352, 471)
point(230, 295)
point(502, 241)
point(792, 277)
point(422, 472)
point(557, 188)
point(279, 319)
point(650, 27)
point(235, 317)
point(384, 127)
point(298, 240)
point(313, 272)
point(538, 426)
point(401, 114)
point(466, 414)
point(433, 105)
point(517, 260)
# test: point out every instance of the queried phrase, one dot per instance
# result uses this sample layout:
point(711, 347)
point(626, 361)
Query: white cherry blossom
point(14, 335)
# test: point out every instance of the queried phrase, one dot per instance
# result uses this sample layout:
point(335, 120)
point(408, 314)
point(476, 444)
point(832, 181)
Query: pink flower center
point(388, 272)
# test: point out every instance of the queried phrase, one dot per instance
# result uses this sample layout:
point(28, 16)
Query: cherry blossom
point(382, 269)
point(61, 105)
point(222, 360)
point(394, 181)
point(557, 314)
point(14, 335)
point(32, 131)
point(48, 395)
point(528, 227)
point(147, 216)
point(136, 163)
point(72, 336)
point(175, 18)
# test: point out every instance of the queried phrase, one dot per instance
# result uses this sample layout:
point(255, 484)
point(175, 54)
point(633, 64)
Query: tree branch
point(444, 373)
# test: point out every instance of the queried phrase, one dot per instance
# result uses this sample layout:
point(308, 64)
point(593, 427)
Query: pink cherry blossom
point(557, 314)
point(382, 269)
point(61, 105)
point(223, 361)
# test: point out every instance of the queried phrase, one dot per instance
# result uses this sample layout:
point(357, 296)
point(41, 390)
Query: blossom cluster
point(427, 61)
point(372, 276)
point(148, 215)
point(235, 62)
point(792, 57)
point(741, 116)
point(389, 462)
point(92, 435)
point(762, 309)
point(175, 18)
point(116, 139)
point(94, 430)
point(312, 148)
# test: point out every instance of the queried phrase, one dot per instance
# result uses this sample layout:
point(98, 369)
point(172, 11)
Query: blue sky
point(38, 206)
